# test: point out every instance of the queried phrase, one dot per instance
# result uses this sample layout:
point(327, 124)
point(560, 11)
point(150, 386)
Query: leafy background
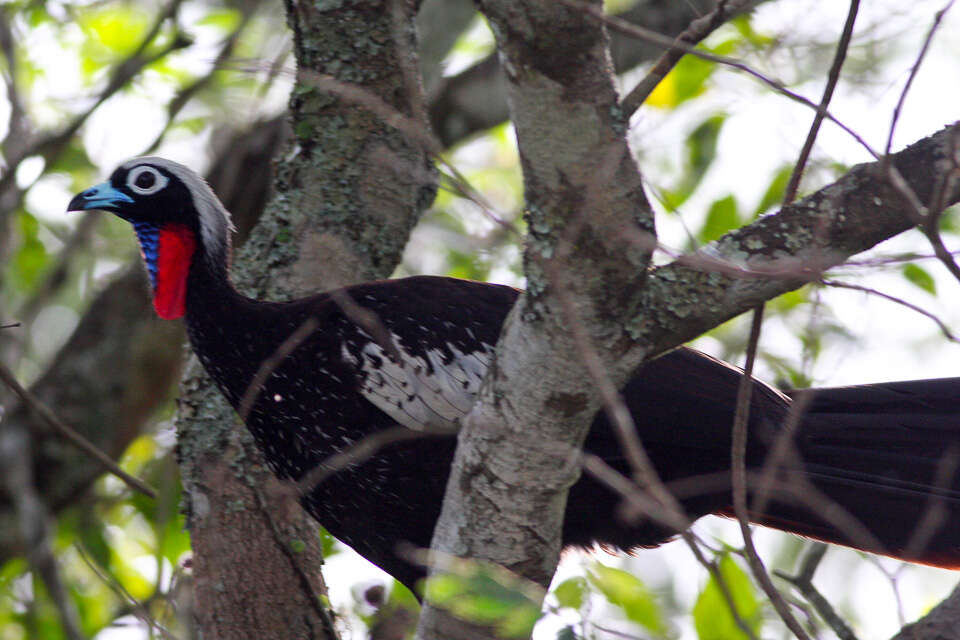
point(90, 84)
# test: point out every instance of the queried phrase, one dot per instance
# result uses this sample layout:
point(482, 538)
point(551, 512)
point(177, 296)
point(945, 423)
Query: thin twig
point(358, 452)
point(833, 77)
point(937, 19)
point(695, 33)
point(739, 480)
point(269, 365)
point(635, 31)
point(926, 217)
point(68, 433)
point(878, 262)
point(804, 583)
point(782, 449)
point(936, 513)
point(184, 94)
point(137, 608)
point(893, 576)
point(34, 523)
point(637, 497)
point(784, 443)
point(886, 296)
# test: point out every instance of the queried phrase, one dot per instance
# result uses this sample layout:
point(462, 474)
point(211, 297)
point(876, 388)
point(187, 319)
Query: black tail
point(875, 467)
point(883, 466)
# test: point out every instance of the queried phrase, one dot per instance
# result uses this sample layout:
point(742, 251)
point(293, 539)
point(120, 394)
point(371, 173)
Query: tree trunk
point(348, 191)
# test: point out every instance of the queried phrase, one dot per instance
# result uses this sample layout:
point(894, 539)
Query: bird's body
point(414, 356)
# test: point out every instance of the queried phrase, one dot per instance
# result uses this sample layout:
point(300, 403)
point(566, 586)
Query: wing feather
point(429, 392)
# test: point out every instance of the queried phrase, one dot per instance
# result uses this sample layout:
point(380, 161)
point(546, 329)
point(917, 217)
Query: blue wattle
point(149, 237)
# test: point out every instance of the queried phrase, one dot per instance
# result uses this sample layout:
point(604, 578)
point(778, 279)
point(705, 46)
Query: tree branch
point(483, 510)
point(348, 190)
point(781, 252)
point(33, 521)
point(69, 434)
point(577, 188)
point(476, 98)
point(939, 624)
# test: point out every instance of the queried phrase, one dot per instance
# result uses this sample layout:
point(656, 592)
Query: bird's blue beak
point(101, 196)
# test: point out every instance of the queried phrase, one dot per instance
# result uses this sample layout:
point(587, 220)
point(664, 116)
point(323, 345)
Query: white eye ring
point(159, 180)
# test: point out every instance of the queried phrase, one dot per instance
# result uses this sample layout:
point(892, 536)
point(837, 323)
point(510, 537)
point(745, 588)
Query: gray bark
point(518, 450)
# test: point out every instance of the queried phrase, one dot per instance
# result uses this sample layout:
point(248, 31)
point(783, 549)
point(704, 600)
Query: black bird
point(883, 454)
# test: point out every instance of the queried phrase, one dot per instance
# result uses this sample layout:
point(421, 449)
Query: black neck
point(232, 334)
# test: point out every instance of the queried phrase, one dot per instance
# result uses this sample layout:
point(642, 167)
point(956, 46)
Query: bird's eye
point(145, 180)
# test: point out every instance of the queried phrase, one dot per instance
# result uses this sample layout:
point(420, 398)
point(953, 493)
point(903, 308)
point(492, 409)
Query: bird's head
point(177, 217)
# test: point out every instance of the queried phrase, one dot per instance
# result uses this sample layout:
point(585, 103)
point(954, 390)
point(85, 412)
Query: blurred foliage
point(712, 615)
point(125, 558)
point(627, 593)
point(920, 277)
point(486, 595)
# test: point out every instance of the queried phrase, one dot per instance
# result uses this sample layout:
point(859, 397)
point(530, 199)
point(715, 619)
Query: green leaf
point(466, 266)
point(570, 593)
point(129, 577)
point(226, 20)
point(702, 144)
point(91, 534)
point(72, 159)
point(519, 621)
point(722, 217)
point(486, 595)
point(176, 540)
point(775, 190)
point(686, 80)
point(701, 151)
point(626, 591)
point(118, 27)
point(920, 277)
point(712, 618)
point(744, 27)
point(328, 544)
point(37, 15)
point(401, 596)
point(31, 258)
point(790, 300)
point(948, 221)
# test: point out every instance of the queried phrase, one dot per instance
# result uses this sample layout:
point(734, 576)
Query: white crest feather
point(215, 223)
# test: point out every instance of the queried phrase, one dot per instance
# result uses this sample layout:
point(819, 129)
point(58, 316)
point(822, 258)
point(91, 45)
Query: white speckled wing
point(427, 393)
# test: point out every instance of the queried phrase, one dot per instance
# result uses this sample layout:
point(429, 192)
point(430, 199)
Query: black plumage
point(875, 450)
